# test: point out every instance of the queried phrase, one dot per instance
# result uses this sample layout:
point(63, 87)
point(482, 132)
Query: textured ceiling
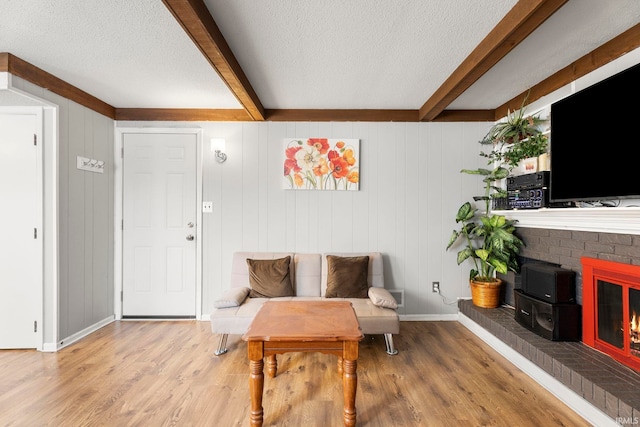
point(352, 54)
point(578, 28)
point(128, 53)
point(305, 54)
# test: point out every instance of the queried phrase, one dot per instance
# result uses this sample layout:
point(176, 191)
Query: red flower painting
point(321, 164)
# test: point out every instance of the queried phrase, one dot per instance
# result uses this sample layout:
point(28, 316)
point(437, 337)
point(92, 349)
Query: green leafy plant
point(517, 137)
point(489, 241)
point(515, 128)
point(533, 146)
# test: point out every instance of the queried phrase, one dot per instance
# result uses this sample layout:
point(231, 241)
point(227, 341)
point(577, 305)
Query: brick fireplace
point(611, 305)
point(596, 377)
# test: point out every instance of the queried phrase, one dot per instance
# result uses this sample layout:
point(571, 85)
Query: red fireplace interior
point(611, 309)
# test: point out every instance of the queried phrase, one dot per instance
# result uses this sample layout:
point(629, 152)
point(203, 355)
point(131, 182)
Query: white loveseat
point(235, 310)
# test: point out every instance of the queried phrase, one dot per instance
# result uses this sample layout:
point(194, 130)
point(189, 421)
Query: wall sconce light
point(217, 146)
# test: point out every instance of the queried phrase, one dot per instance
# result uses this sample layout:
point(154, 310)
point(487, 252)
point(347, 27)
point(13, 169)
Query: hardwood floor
point(165, 374)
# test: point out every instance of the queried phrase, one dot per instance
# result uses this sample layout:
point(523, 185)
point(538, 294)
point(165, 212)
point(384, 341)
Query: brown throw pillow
point(347, 277)
point(269, 278)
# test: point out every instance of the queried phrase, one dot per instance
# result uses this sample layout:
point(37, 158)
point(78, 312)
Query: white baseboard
point(403, 317)
point(583, 408)
point(427, 317)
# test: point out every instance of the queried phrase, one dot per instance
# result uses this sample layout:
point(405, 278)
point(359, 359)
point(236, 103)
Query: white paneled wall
point(410, 190)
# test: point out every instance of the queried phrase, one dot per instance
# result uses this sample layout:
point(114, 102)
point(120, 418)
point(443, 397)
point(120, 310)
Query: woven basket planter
point(486, 294)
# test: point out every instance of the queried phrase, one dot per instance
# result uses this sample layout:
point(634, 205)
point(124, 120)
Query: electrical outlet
point(435, 287)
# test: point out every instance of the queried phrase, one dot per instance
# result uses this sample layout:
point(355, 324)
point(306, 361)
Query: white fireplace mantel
point(624, 220)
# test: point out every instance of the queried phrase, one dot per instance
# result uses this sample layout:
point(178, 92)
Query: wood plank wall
point(85, 217)
point(410, 190)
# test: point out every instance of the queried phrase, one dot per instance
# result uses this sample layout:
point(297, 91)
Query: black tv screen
point(595, 141)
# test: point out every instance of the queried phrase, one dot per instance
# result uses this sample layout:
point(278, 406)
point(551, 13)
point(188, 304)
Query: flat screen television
point(595, 141)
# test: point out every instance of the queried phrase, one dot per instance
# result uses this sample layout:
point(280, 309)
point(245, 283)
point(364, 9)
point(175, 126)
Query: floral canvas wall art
point(321, 164)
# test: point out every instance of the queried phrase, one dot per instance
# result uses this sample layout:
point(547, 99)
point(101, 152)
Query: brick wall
point(566, 247)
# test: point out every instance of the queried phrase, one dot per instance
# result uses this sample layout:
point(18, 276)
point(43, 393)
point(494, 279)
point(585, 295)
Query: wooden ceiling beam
point(518, 23)
point(613, 49)
point(316, 115)
point(296, 115)
point(195, 19)
point(29, 72)
point(183, 114)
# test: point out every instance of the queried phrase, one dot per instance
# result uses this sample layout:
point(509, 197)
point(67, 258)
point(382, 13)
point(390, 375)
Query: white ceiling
point(302, 54)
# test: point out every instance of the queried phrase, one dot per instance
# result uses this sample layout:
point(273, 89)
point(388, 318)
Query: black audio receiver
point(530, 191)
point(533, 198)
point(530, 180)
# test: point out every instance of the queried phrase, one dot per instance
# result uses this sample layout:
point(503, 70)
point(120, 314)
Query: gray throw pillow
point(347, 277)
point(270, 278)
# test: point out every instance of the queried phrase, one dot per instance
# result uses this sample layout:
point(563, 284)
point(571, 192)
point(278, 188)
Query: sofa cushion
point(375, 276)
point(374, 319)
point(239, 277)
point(307, 274)
point(347, 277)
point(232, 298)
point(270, 278)
point(382, 298)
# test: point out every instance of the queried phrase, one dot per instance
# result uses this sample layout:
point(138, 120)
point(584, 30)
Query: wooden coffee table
point(279, 327)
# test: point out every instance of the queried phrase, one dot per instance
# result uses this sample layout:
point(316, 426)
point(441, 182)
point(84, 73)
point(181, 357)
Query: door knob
point(190, 237)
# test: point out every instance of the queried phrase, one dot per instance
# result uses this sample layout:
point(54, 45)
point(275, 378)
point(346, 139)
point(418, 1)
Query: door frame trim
point(118, 205)
point(50, 138)
point(38, 113)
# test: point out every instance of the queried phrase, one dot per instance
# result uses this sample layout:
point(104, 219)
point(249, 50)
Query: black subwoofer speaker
point(548, 282)
point(556, 322)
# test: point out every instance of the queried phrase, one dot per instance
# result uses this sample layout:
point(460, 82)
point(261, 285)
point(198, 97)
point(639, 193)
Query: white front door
point(159, 225)
point(21, 256)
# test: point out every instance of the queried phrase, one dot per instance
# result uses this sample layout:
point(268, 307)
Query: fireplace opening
point(610, 323)
point(634, 321)
point(611, 309)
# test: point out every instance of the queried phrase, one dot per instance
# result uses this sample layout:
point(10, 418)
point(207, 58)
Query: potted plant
point(490, 240)
point(516, 127)
point(527, 152)
point(515, 139)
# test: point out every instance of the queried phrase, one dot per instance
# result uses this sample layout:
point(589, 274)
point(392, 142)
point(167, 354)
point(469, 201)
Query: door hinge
point(35, 326)
point(121, 296)
point(122, 224)
point(35, 139)
point(122, 153)
point(35, 233)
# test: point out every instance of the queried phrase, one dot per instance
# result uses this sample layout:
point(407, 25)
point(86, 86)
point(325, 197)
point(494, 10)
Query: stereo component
point(528, 181)
point(556, 322)
point(533, 198)
point(529, 191)
point(548, 282)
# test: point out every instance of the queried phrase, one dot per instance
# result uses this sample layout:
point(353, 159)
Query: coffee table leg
point(256, 381)
point(350, 381)
point(272, 365)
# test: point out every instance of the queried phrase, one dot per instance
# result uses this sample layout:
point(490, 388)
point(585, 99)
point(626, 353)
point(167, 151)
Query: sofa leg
point(222, 345)
point(388, 339)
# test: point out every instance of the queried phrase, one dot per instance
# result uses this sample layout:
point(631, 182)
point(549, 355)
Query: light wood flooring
point(141, 373)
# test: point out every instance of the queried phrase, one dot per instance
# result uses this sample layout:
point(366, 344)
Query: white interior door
point(21, 256)
point(159, 225)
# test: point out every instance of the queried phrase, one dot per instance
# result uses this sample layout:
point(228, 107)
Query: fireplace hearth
point(599, 379)
point(611, 306)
